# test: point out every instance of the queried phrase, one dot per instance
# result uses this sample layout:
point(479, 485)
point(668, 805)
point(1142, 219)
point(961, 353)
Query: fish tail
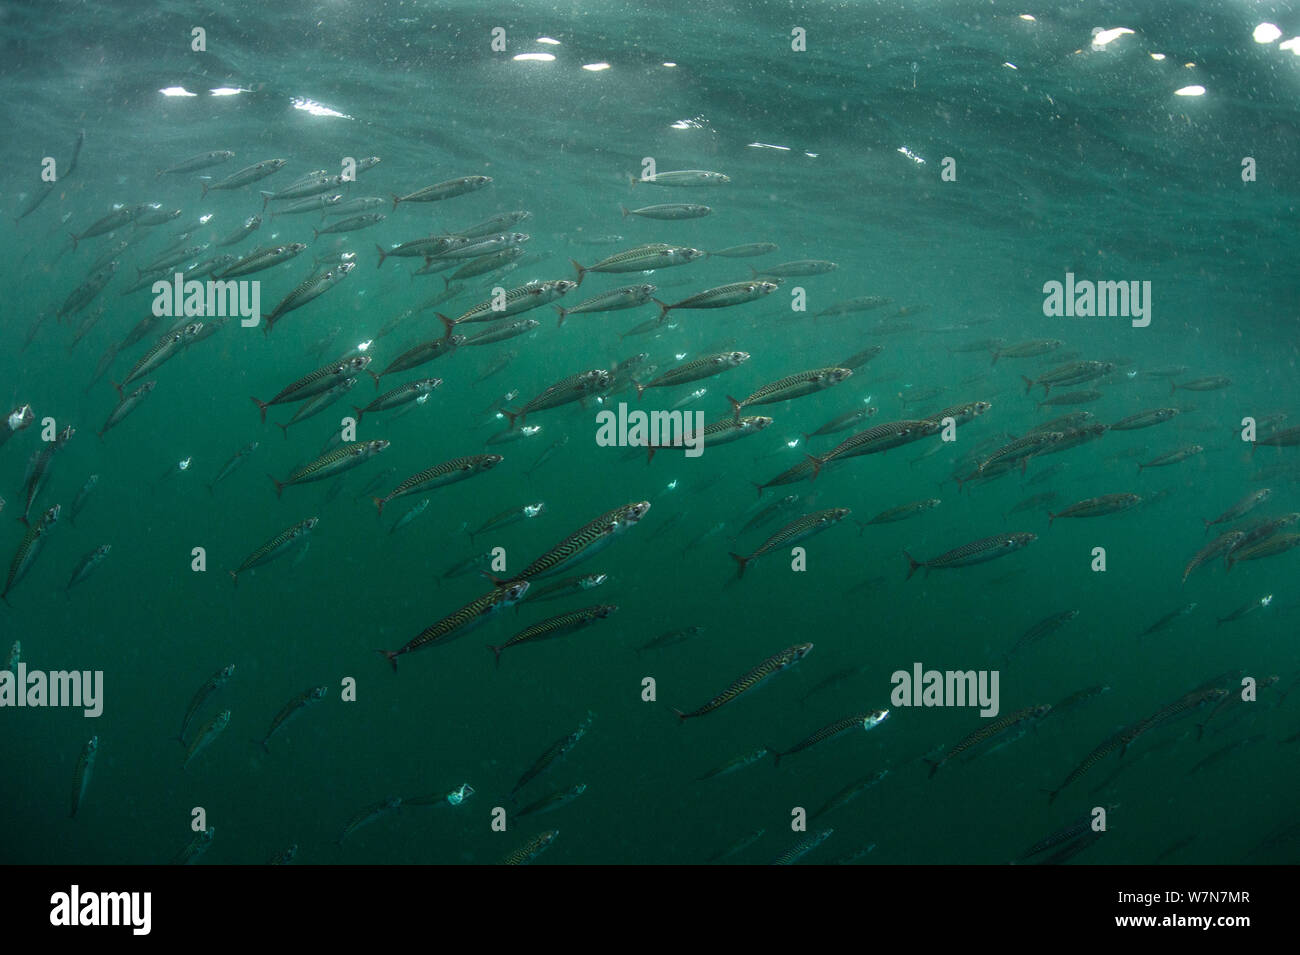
point(663, 309)
point(379, 503)
point(204, 184)
point(448, 324)
point(817, 465)
point(234, 576)
point(1051, 795)
point(446, 283)
point(279, 488)
point(913, 564)
point(640, 389)
point(650, 452)
point(806, 438)
point(315, 233)
point(1172, 387)
point(580, 270)
point(759, 486)
point(118, 389)
point(681, 717)
point(512, 415)
point(563, 312)
point(497, 652)
point(934, 767)
point(261, 405)
point(741, 561)
point(996, 355)
point(359, 411)
point(496, 581)
point(392, 656)
point(1029, 385)
point(735, 408)
point(396, 200)
point(266, 197)
point(382, 255)
point(376, 377)
point(1050, 517)
point(1140, 467)
point(284, 428)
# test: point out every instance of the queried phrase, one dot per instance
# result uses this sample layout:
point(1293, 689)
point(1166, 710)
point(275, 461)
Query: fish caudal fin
point(913, 565)
point(741, 562)
point(735, 408)
point(563, 312)
point(579, 269)
point(279, 487)
point(392, 656)
point(382, 255)
point(447, 323)
point(664, 308)
point(261, 406)
point(497, 652)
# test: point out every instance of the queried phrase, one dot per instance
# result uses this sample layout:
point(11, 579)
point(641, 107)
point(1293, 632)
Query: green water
point(1067, 159)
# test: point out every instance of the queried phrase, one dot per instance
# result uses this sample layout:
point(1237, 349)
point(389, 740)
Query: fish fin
point(776, 755)
point(640, 389)
point(359, 412)
point(581, 271)
point(563, 313)
point(663, 309)
point(204, 184)
point(392, 656)
point(235, 577)
point(396, 200)
point(266, 197)
point(379, 503)
point(934, 767)
point(681, 717)
point(374, 376)
point(626, 211)
point(741, 561)
point(817, 465)
point(315, 233)
point(1050, 517)
point(447, 323)
point(512, 415)
point(497, 651)
point(735, 407)
point(1172, 387)
point(913, 565)
point(279, 488)
point(382, 255)
point(284, 428)
point(650, 452)
point(996, 355)
point(496, 581)
point(1029, 385)
point(261, 405)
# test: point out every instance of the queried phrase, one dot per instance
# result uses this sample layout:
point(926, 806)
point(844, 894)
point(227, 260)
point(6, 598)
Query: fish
point(421, 354)
point(1212, 383)
point(210, 731)
point(1266, 548)
point(247, 175)
point(1019, 720)
point(496, 224)
point(1173, 457)
point(794, 532)
point(1043, 628)
point(565, 587)
point(628, 296)
point(461, 621)
point(17, 420)
point(1071, 373)
point(704, 367)
point(308, 193)
point(204, 160)
point(316, 382)
point(552, 801)
point(671, 637)
point(858, 359)
point(308, 290)
point(850, 792)
point(196, 847)
point(556, 627)
point(1241, 508)
point(259, 260)
point(328, 465)
point(732, 765)
point(1030, 349)
point(589, 539)
point(81, 776)
point(903, 512)
point(576, 387)
point(508, 517)
point(751, 679)
point(292, 709)
point(867, 721)
point(842, 422)
point(235, 461)
point(86, 566)
point(1073, 398)
point(683, 177)
point(411, 391)
point(976, 552)
point(246, 228)
point(213, 683)
point(1144, 419)
point(1098, 506)
point(882, 437)
point(29, 548)
point(277, 546)
point(1286, 438)
point(1167, 619)
point(669, 211)
point(791, 386)
point(804, 846)
point(531, 849)
point(1063, 835)
point(444, 190)
point(483, 264)
point(643, 258)
point(801, 268)
point(1220, 546)
point(746, 251)
point(514, 302)
point(553, 754)
point(723, 296)
point(1244, 609)
point(368, 815)
point(440, 475)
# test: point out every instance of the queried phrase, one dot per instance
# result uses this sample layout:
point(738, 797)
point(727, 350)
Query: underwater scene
point(613, 433)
